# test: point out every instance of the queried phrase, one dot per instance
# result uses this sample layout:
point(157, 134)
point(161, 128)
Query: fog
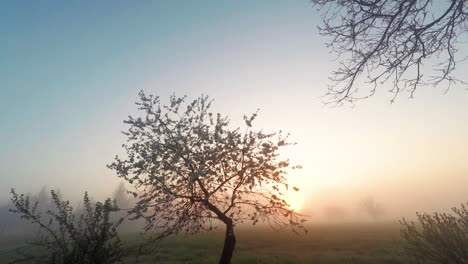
point(61, 124)
point(386, 202)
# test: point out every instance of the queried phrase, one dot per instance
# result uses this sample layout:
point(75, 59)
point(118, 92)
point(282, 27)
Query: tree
point(381, 41)
point(122, 197)
point(43, 200)
point(371, 207)
point(69, 238)
point(439, 238)
point(191, 169)
point(125, 202)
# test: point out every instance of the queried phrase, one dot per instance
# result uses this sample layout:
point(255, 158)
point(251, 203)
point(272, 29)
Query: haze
point(71, 72)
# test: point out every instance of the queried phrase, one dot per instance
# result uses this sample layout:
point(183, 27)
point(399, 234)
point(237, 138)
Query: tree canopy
point(190, 168)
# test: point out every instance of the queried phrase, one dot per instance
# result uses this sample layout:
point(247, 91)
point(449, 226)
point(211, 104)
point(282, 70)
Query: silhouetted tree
point(383, 41)
point(44, 201)
point(122, 197)
point(69, 238)
point(438, 238)
point(125, 202)
point(369, 206)
point(192, 169)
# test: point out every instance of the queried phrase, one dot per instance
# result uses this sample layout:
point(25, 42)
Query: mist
point(71, 74)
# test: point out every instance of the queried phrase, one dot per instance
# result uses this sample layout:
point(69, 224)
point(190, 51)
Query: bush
point(68, 237)
point(441, 238)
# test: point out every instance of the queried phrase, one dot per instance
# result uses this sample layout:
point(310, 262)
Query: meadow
point(323, 244)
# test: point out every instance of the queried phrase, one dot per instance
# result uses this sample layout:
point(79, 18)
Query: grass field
point(345, 243)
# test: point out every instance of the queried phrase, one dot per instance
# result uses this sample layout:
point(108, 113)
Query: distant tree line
point(10, 226)
point(367, 206)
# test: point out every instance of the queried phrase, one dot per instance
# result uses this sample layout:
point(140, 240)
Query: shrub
point(68, 237)
point(438, 238)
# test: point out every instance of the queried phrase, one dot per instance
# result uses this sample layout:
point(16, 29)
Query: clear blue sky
point(71, 70)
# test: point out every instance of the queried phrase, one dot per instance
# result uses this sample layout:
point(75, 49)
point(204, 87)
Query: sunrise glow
point(224, 120)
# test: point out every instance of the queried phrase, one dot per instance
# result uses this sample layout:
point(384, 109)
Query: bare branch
point(380, 41)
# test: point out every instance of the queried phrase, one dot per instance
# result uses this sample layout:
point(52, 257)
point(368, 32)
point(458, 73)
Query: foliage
point(125, 202)
point(442, 238)
point(389, 41)
point(191, 169)
point(68, 238)
point(122, 197)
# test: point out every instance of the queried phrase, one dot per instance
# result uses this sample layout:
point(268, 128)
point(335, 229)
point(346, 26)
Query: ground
point(330, 243)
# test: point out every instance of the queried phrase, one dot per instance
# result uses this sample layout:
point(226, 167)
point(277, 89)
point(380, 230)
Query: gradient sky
point(70, 72)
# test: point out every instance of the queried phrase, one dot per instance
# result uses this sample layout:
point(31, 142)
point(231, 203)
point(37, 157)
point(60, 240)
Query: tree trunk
point(229, 244)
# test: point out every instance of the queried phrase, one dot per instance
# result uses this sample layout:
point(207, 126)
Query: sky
point(70, 72)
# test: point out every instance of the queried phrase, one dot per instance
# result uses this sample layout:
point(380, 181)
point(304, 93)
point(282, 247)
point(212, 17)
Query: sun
point(293, 205)
point(295, 201)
